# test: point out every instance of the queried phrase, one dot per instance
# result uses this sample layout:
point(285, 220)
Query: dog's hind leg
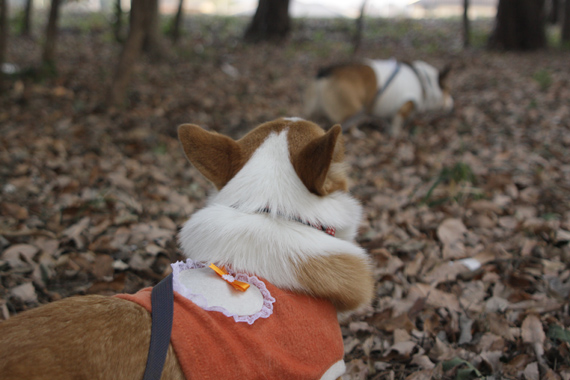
point(341, 104)
point(401, 117)
point(312, 106)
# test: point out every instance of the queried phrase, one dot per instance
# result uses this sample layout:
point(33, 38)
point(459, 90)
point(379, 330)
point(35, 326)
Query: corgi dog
point(271, 262)
point(348, 93)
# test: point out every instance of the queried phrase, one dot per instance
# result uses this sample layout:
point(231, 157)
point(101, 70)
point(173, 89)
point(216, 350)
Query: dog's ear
point(216, 156)
point(313, 162)
point(443, 74)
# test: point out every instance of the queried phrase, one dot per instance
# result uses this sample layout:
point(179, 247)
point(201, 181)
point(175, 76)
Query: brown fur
point(406, 110)
point(312, 163)
point(348, 89)
point(90, 337)
point(219, 157)
point(351, 286)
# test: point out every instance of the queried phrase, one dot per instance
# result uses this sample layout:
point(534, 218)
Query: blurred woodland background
point(467, 215)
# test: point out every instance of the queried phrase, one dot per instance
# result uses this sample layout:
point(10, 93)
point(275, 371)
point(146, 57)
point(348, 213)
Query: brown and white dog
point(347, 93)
point(281, 220)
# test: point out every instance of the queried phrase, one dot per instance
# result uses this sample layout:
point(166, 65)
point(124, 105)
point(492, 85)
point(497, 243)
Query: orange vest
point(300, 340)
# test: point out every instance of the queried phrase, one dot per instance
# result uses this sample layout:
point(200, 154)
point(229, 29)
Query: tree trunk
point(519, 25)
point(3, 38)
point(466, 26)
point(48, 56)
point(566, 23)
point(151, 43)
point(131, 51)
point(175, 27)
point(271, 21)
point(554, 12)
point(118, 22)
point(359, 27)
point(27, 21)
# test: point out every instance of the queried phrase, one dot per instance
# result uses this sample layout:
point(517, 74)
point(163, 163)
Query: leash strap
point(162, 300)
point(363, 112)
point(415, 70)
point(385, 86)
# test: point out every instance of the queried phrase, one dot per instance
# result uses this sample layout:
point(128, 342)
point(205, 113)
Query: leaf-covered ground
point(467, 215)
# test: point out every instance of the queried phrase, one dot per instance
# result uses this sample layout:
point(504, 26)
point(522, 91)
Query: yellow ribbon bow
point(238, 285)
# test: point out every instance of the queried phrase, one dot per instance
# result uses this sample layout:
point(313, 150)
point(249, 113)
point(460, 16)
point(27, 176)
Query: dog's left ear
point(313, 162)
point(443, 74)
point(216, 156)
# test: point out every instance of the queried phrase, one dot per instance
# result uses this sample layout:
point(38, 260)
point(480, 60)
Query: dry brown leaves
point(467, 215)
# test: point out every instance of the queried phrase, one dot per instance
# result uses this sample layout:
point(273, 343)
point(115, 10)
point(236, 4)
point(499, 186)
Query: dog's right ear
point(216, 156)
point(312, 164)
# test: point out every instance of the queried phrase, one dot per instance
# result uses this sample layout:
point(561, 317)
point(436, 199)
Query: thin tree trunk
point(131, 51)
point(27, 22)
point(466, 26)
point(151, 43)
point(118, 23)
point(48, 56)
point(359, 28)
point(566, 23)
point(3, 38)
point(271, 21)
point(175, 29)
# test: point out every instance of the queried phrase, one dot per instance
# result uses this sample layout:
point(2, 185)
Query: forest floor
point(467, 215)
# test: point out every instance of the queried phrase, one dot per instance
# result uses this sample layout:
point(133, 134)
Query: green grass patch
point(543, 78)
point(458, 178)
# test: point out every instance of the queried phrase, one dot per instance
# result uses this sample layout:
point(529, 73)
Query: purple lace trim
point(200, 300)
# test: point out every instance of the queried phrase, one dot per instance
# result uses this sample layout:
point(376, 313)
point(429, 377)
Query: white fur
point(293, 119)
point(232, 231)
point(335, 371)
point(407, 86)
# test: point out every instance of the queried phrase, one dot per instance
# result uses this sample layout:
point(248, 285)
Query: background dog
point(282, 213)
point(348, 93)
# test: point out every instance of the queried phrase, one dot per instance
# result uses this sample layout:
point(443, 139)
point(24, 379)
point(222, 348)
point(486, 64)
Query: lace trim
point(200, 300)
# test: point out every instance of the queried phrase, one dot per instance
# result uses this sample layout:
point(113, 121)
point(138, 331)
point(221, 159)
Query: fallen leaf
point(356, 369)
point(451, 231)
point(25, 293)
point(103, 267)
point(422, 361)
point(19, 255)
point(531, 372)
point(533, 334)
point(14, 210)
point(425, 374)
point(532, 331)
point(435, 297)
point(75, 232)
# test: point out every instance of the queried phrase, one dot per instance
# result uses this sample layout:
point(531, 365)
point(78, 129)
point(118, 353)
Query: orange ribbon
point(238, 285)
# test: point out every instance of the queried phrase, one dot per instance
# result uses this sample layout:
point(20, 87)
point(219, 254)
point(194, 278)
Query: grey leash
point(162, 301)
point(354, 118)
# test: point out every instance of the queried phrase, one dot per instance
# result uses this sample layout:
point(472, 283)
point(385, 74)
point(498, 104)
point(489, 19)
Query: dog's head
point(273, 155)
point(287, 169)
point(436, 86)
